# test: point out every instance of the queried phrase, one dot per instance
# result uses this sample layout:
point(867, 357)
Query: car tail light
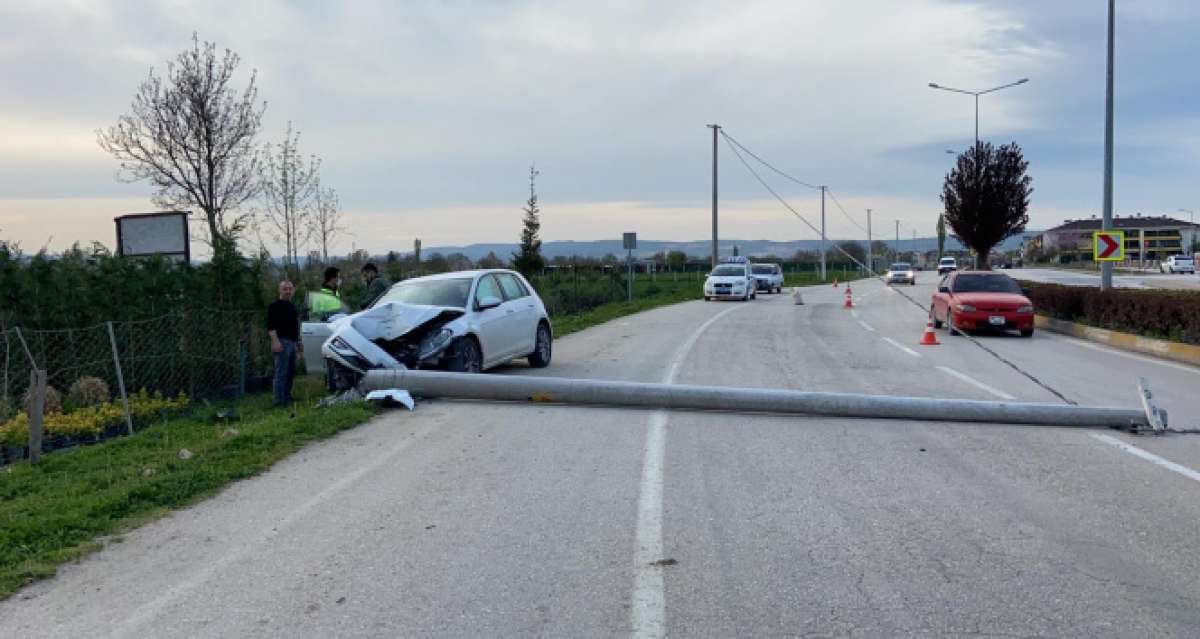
point(965, 308)
point(1025, 309)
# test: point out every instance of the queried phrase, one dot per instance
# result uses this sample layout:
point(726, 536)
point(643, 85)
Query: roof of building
point(1127, 222)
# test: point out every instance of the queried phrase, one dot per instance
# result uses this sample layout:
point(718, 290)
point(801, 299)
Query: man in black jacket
point(283, 325)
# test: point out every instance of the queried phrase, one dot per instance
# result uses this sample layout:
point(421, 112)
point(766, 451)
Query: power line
point(730, 138)
point(848, 217)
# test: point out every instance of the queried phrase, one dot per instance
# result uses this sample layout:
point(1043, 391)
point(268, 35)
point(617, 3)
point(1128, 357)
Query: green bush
point(1173, 315)
point(88, 391)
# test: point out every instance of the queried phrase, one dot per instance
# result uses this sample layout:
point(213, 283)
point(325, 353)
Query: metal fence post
point(112, 338)
point(37, 404)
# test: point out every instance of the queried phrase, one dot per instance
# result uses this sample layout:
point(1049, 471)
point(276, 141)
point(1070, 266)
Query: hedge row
point(1173, 315)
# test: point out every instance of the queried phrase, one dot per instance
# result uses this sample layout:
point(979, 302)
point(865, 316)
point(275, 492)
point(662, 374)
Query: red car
point(981, 300)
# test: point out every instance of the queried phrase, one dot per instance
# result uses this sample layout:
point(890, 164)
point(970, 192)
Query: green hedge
point(1173, 315)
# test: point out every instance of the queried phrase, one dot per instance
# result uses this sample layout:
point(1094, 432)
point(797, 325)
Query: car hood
point(988, 299)
point(391, 320)
point(726, 279)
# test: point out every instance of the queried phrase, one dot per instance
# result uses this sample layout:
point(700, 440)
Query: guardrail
point(523, 388)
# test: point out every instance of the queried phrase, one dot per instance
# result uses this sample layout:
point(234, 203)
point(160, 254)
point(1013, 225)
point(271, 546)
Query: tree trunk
point(983, 259)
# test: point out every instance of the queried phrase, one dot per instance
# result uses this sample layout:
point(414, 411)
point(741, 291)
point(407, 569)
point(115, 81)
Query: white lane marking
point(130, 625)
point(974, 382)
point(648, 609)
point(901, 347)
point(1148, 456)
point(1140, 358)
point(866, 326)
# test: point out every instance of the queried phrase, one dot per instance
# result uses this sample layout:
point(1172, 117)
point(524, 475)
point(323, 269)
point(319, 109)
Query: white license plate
point(997, 320)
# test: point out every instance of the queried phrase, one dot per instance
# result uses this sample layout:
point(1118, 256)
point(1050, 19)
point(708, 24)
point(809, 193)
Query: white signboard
point(164, 233)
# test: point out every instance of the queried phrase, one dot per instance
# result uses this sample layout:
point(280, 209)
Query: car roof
point(991, 273)
point(452, 275)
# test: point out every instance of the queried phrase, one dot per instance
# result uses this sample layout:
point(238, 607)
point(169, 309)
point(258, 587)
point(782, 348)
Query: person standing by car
point(377, 284)
point(328, 300)
point(283, 325)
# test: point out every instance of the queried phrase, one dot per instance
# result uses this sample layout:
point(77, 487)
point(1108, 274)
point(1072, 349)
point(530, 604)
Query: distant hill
point(699, 248)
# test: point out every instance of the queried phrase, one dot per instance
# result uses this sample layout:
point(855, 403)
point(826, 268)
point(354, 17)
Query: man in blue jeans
point(283, 325)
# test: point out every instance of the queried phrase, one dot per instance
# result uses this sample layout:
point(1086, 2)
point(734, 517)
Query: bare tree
point(191, 135)
point(326, 221)
point(289, 192)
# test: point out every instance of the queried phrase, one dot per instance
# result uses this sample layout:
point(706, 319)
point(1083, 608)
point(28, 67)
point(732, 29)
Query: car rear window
point(901, 266)
point(764, 269)
point(983, 283)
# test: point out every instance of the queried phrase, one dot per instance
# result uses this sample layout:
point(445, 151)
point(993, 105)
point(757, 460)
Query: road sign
point(1108, 246)
point(630, 241)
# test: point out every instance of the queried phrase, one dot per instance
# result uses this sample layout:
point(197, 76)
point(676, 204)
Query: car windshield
point(763, 269)
point(728, 271)
point(447, 292)
point(947, 260)
point(901, 266)
point(981, 283)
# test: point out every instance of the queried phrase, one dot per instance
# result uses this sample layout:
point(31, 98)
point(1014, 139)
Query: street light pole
point(897, 240)
point(716, 128)
point(1106, 269)
point(822, 233)
point(934, 85)
point(870, 252)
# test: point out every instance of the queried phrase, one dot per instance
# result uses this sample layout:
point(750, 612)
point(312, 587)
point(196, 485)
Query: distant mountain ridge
point(698, 248)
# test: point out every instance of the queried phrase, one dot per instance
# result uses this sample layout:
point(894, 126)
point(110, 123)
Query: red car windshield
point(981, 283)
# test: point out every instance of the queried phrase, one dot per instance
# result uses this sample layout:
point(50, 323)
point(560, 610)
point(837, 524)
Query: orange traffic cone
point(835, 282)
point(930, 337)
point(849, 303)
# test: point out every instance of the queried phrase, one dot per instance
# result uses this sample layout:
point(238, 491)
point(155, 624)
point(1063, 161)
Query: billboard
point(163, 233)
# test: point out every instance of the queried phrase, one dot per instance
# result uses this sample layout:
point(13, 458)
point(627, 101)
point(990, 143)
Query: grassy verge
point(54, 512)
point(574, 322)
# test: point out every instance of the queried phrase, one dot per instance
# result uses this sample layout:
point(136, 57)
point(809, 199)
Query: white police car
point(731, 279)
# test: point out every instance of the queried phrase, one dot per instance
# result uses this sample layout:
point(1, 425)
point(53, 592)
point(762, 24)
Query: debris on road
point(392, 397)
point(796, 298)
point(344, 397)
point(664, 562)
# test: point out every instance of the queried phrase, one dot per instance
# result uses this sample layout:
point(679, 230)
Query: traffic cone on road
point(799, 301)
point(930, 337)
point(849, 303)
point(835, 282)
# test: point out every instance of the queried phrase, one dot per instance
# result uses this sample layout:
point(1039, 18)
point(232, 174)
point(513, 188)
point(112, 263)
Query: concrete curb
point(1183, 353)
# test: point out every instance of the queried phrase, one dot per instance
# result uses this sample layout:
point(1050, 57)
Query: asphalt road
point(481, 519)
point(1123, 279)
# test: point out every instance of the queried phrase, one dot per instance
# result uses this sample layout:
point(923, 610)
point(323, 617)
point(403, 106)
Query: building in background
point(1148, 239)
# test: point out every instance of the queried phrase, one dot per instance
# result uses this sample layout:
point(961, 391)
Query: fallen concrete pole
point(681, 396)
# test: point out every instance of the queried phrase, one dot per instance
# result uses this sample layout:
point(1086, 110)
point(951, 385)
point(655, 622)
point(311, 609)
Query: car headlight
point(434, 342)
point(965, 308)
point(339, 344)
point(1025, 309)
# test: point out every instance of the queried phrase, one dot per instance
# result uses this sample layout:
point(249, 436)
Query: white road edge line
point(866, 326)
point(974, 382)
point(1141, 358)
point(648, 605)
point(901, 347)
point(1148, 456)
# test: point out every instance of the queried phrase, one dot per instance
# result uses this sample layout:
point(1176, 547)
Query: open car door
point(320, 308)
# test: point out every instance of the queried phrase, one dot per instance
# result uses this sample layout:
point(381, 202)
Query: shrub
point(88, 391)
point(1173, 315)
point(91, 421)
point(53, 400)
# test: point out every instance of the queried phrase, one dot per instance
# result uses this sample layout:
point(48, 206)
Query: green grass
point(665, 292)
point(57, 511)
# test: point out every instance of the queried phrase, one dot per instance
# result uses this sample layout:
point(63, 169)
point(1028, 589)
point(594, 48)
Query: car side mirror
point(489, 302)
point(943, 289)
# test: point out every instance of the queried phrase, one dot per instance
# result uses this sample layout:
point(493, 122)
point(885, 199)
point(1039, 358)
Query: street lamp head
point(1022, 80)
point(934, 85)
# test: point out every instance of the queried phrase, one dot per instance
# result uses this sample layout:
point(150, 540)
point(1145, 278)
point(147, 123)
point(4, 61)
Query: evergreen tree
point(529, 260)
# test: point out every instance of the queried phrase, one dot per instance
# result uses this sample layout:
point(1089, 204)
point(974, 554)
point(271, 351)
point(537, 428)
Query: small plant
point(88, 391)
point(53, 400)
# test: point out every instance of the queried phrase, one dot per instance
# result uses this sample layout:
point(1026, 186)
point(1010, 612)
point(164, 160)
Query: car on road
point(947, 264)
point(465, 321)
point(731, 279)
point(900, 273)
point(769, 277)
point(981, 300)
point(1178, 264)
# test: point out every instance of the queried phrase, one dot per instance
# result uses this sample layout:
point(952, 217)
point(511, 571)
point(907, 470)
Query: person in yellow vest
point(328, 300)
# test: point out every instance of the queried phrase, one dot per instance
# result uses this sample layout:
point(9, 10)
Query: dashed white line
point(901, 347)
point(1140, 358)
point(648, 610)
point(866, 326)
point(1149, 456)
point(974, 382)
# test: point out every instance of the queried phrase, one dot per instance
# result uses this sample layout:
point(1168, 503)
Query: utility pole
point(870, 253)
point(914, 246)
point(1106, 268)
point(897, 258)
point(822, 233)
point(715, 129)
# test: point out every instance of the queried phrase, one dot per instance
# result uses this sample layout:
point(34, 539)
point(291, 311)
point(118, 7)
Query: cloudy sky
point(428, 114)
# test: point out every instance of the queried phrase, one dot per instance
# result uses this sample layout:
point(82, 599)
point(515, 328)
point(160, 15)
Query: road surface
point(489, 520)
point(1121, 279)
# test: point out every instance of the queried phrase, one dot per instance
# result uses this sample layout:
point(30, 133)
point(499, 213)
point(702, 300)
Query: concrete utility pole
point(715, 128)
point(897, 240)
point(870, 252)
point(1106, 269)
point(822, 233)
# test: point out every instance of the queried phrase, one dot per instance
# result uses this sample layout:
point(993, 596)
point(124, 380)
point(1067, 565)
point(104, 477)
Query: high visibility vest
point(325, 302)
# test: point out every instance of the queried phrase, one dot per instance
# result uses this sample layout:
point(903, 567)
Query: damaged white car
point(466, 321)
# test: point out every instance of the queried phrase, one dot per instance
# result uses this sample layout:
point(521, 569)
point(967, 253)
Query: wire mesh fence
point(104, 379)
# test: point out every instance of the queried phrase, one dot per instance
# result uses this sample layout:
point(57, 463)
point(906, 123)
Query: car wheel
point(466, 356)
point(540, 357)
point(1027, 332)
point(950, 323)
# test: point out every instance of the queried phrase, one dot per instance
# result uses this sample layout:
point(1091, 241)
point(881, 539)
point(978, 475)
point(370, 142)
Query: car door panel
point(522, 320)
point(492, 325)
